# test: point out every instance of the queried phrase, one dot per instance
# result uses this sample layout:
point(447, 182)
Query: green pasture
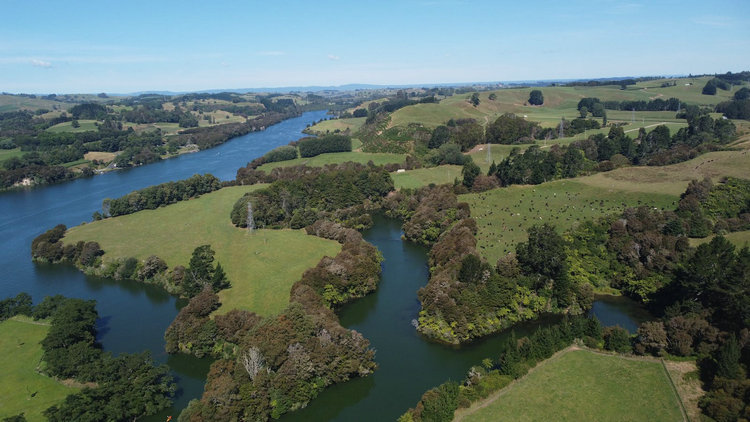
point(422, 177)
point(10, 153)
point(580, 385)
point(86, 125)
point(262, 265)
point(739, 239)
point(503, 215)
point(326, 126)
point(23, 389)
point(673, 179)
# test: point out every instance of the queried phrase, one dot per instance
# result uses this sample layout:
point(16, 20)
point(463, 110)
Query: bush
point(310, 147)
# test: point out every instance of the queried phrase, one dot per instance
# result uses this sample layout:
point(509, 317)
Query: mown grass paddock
point(22, 388)
point(261, 265)
point(580, 385)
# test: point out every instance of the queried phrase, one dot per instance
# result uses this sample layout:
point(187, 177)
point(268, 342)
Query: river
point(134, 316)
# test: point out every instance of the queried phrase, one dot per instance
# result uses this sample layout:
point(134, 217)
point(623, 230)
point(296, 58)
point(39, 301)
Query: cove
point(133, 316)
point(409, 365)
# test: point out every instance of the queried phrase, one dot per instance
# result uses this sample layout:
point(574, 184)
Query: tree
point(470, 172)
point(474, 100)
point(728, 359)
point(440, 136)
point(200, 271)
point(536, 97)
point(75, 124)
point(492, 96)
point(584, 111)
point(709, 88)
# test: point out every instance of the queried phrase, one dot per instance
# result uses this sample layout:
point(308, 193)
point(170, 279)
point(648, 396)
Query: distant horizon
point(167, 45)
point(313, 87)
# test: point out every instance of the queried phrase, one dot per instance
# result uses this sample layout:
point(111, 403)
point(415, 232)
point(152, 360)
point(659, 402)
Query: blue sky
point(127, 46)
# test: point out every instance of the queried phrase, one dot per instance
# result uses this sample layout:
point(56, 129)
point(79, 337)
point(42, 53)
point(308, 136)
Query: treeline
point(604, 82)
point(157, 196)
point(299, 201)
point(282, 362)
point(603, 153)
point(671, 104)
point(125, 387)
point(310, 147)
point(515, 360)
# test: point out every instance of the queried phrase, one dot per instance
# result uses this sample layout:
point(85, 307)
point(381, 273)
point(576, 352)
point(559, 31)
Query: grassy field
point(423, 177)
point(739, 239)
point(14, 103)
point(10, 153)
point(100, 155)
point(498, 153)
point(503, 215)
point(262, 265)
point(562, 102)
point(353, 124)
point(338, 157)
point(673, 179)
point(86, 125)
point(22, 388)
point(580, 385)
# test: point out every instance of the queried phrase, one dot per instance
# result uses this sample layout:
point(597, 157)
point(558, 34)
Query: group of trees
point(738, 107)
point(511, 129)
point(310, 147)
point(602, 153)
point(300, 201)
point(47, 247)
point(121, 388)
point(466, 133)
point(157, 196)
point(596, 106)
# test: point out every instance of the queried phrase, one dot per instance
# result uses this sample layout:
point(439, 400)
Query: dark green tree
point(469, 173)
point(728, 359)
point(474, 100)
point(536, 97)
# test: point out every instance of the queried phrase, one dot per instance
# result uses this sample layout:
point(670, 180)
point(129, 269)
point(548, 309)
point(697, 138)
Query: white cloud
point(40, 63)
point(332, 57)
point(271, 53)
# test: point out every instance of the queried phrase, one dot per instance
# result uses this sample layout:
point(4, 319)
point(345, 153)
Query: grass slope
point(262, 266)
point(86, 125)
point(10, 153)
point(584, 386)
point(22, 388)
point(338, 157)
point(504, 214)
point(739, 239)
point(423, 177)
point(326, 126)
point(562, 102)
point(673, 179)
